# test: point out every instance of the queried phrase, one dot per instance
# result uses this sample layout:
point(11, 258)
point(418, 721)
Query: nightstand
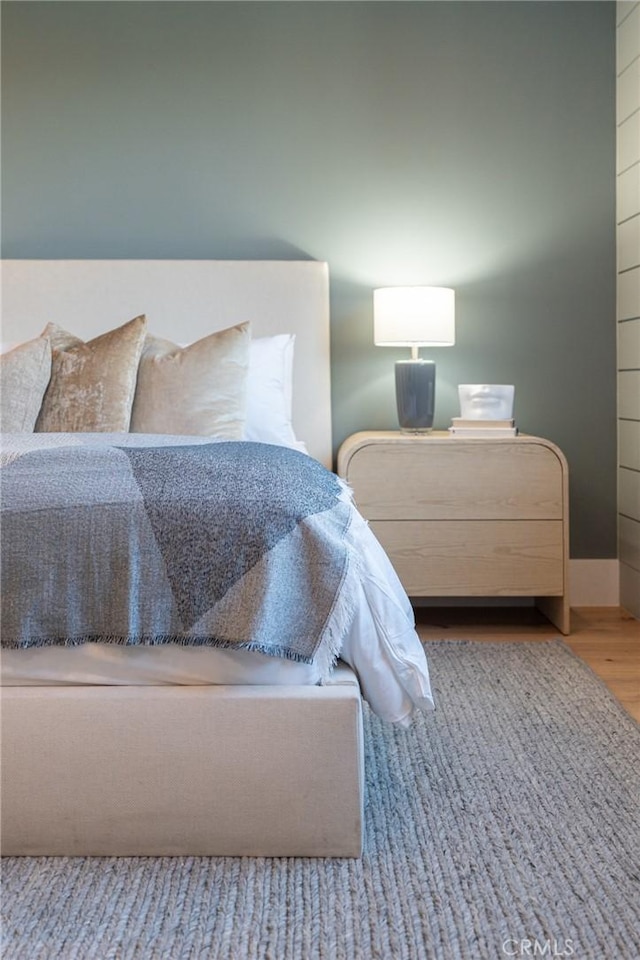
point(467, 517)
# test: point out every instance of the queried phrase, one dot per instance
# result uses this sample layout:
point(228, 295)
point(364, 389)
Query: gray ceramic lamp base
point(415, 394)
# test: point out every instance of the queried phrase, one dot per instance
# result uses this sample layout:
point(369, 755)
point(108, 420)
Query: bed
point(179, 745)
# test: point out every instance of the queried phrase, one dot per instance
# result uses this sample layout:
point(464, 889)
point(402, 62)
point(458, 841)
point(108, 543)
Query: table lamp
point(414, 317)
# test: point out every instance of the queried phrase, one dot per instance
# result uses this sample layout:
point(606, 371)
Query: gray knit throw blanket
point(228, 544)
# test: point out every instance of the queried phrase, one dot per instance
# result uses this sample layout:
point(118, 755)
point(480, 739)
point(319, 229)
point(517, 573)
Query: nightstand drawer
point(473, 559)
point(454, 479)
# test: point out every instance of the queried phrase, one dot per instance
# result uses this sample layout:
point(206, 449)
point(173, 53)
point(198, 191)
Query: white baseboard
point(594, 583)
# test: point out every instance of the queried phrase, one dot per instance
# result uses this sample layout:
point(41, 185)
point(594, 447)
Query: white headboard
point(183, 301)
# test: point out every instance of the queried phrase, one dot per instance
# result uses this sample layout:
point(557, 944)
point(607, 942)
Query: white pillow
point(270, 392)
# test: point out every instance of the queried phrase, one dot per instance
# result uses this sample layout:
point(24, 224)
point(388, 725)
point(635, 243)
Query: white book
point(487, 424)
point(478, 432)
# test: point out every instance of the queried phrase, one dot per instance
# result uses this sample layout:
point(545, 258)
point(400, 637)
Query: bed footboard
point(179, 771)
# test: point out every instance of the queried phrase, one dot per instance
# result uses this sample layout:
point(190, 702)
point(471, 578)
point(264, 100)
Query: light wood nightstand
point(467, 517)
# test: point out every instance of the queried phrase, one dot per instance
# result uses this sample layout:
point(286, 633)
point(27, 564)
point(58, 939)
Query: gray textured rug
point(504, 825)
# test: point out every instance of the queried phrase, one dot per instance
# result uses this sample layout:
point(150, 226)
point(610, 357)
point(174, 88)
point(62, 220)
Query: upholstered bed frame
point(204, 770)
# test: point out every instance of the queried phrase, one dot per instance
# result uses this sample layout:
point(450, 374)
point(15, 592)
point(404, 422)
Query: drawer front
point(477, 559)
point(457, 480)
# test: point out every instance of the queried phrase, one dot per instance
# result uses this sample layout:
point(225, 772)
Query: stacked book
point(461, 427)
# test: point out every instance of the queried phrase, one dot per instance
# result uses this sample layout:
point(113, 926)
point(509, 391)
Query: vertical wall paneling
point(628, 192)
point(629, 346)
point(628, 298)
point(628, 294)
point(628, 393)
point(629, 439)
point(628, 243)
point(629, 493)
point(627, 91)
point(627, 138)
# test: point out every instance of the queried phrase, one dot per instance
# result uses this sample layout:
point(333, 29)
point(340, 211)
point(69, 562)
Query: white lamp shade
point(414, 317)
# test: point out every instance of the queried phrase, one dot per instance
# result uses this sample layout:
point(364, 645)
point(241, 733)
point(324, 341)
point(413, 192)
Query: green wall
point(461, 144)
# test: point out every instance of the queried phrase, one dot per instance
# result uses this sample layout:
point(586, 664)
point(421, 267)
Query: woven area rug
point(504, 825)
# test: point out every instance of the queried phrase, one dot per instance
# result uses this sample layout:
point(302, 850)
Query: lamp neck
point(414, 353)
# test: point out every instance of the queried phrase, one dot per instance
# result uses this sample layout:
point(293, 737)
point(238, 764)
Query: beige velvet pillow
point(92, 384)
point(199, 390)
point(24, 375)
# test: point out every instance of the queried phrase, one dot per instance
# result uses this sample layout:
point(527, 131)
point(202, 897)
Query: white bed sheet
point(169, 664)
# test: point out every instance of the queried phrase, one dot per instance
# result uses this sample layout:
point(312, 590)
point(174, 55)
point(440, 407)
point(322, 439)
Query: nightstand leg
point(557, 610)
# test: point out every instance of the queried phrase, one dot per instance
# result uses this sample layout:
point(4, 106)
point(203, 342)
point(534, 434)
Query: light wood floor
point(607, 638)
